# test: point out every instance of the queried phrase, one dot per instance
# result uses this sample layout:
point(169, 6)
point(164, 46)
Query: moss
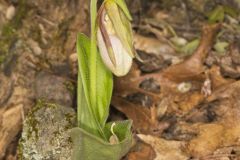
point(9, 30)
point(2, 58)
point(70, 87)
point(58, 2)
point(5, 42)
point(61, 35)
point(54, 136)
point(56, 133)
point(20, 149)
point(69, 117)
point(32, 122)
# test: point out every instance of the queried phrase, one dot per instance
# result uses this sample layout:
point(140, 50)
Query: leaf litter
point(183, 97)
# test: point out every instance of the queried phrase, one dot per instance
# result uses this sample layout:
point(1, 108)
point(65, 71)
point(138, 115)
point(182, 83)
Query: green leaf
point(95, 84)
point(190, 46)
point(83, 51)
point(220, 47)
point(103, 90)
point(93, 50)
point(230, 11)
point(89, 147)
point(217, 15)
point(123, 6)
point(122, 129)
point(103, 86)
point(86, 117)
point(178, 41)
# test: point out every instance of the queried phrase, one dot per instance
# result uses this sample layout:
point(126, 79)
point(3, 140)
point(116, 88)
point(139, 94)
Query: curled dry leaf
point(153, 46)
point(193, 66)
point(143, 120)
point(216, 78)
point(225, 91)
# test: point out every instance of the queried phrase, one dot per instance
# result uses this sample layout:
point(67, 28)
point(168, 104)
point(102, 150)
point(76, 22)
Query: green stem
point(93, 56)
point(93, 64)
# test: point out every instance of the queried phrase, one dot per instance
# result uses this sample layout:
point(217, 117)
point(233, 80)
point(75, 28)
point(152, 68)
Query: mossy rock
point(46, 133)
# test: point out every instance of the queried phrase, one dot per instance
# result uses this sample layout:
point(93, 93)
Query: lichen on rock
point(46, 133)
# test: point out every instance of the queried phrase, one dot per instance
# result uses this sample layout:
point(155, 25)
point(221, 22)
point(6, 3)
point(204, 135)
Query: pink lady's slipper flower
point(114, 36)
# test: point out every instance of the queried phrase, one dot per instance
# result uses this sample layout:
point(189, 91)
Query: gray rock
point(45, 133)
point(54, 89)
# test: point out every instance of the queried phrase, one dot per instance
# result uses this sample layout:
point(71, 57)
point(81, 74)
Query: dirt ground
point(183, 95)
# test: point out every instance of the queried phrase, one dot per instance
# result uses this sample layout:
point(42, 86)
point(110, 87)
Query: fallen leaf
point(220, 47)
point(193, 66)
point(209, 139)
point(143, 120)
point(165, 150)
point(153, 46)
point(141, 151)
point(190, 46)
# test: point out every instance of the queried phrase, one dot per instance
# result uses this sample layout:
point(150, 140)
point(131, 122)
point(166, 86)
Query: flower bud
point(114, 36)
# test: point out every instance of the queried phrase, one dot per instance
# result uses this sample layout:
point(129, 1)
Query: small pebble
point(10, 13)
point(184, 87)
point(35, 47)
point(73, 61)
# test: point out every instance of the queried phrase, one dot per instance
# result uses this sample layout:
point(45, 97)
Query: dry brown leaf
point(10, 124)
point(192, 68)
point(153, 46)
point(141, 151)
point(229, 152)
point(216, 78)
point(188, 101)
point(143, 120)
point(210, 127)
point(225, 91)
point(225, 130)
point(165, 150)
point(209, 139)
point(140, 115)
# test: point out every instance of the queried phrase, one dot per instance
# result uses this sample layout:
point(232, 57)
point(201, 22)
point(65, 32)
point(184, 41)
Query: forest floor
point(183, 96)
